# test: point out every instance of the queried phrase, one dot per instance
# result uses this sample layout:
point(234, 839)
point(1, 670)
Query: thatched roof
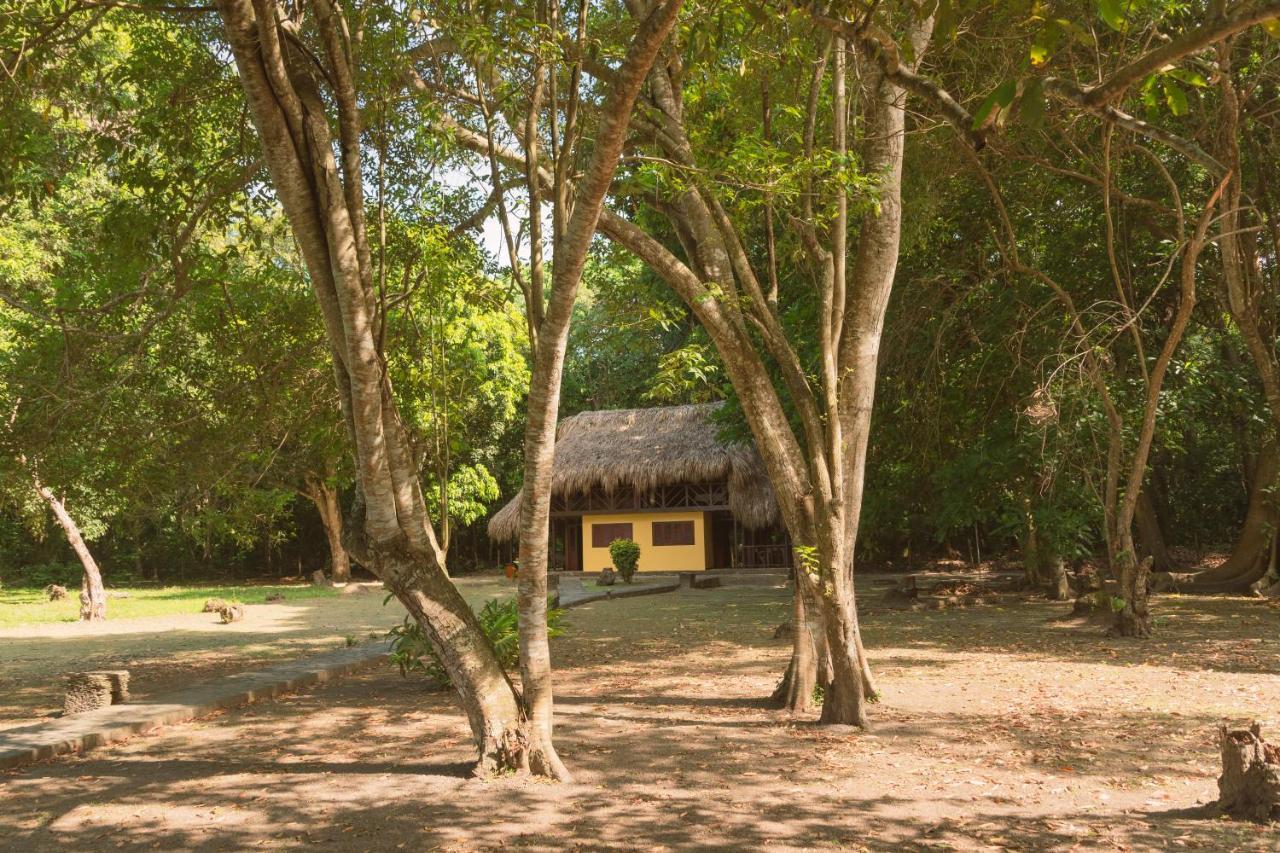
point(648, 448)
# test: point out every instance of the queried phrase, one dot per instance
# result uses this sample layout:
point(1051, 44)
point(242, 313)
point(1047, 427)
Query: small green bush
point(499, 619)
point(41, 575)
point(626, 557)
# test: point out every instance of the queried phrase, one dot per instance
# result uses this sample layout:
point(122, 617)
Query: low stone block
point(703, 583)
point(119, 685)
point(86, 691)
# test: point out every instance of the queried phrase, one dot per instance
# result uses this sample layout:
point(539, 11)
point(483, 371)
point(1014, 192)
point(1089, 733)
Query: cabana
point(665, 478)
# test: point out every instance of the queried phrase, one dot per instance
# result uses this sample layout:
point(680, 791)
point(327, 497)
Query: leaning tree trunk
point(1244, 297)
point(325, 497)
point(1251, 557)
point(93, 597)
point(1134, 619)
point(323, 202)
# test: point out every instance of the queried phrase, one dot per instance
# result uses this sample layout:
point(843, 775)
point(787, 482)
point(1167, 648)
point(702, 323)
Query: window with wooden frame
point(603, 534)
point(672, 533)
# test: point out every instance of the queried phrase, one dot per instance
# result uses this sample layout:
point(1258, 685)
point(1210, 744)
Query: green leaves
point(1031, 106)
point(1112, 13)
point(997, 105)
point(1175, 98)
point(998, 100)
point(1165, 87)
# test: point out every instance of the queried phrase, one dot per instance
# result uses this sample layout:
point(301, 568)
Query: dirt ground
point(1000, 729)
point(164, 653)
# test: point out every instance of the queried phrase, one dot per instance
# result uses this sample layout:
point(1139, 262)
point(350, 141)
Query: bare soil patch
point(1000, 729)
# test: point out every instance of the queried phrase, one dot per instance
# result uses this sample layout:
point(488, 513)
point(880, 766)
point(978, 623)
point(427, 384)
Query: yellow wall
point(665, 558)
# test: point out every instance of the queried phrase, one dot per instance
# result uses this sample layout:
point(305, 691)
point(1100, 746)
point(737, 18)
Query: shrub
point(499, 619)
point(42, 575)
point(626, 557)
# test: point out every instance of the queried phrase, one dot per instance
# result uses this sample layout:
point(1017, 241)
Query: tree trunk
point(552, 337)
point(1150, 535)
point(1252, 554)
point(1134, 619)
point(1031, 556)
point(1060, 584)
point(488, 697)
point(844, 701)
point(1243, 293)
point(325, 497)
point(93, 597)
point(795, 692)
point(323, 201)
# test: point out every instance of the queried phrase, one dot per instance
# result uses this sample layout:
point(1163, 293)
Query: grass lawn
point(182, 646)
point(26, 606)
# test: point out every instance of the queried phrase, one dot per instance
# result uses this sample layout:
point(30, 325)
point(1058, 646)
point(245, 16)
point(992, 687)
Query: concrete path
point(77, 733)
point(573, 593)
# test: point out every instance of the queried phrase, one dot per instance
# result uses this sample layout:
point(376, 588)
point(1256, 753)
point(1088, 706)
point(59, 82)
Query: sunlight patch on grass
point(25, 606)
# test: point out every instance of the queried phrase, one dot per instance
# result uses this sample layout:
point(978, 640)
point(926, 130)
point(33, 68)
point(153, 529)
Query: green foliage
point(40, 575)
point(625, 554)
point(499, 619)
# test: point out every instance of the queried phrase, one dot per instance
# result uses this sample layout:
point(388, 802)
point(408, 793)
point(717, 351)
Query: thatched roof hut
point(646, 449)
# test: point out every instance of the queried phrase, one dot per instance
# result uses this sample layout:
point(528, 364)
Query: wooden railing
point(764, 556)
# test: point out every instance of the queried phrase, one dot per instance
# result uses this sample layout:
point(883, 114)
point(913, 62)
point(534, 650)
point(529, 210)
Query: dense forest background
point(164, 372)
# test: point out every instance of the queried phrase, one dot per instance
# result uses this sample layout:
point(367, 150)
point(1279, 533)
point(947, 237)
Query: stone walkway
point(77, 733)
point(574, 593)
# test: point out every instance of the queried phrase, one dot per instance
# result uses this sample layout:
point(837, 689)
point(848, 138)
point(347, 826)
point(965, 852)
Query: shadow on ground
point(987, 739)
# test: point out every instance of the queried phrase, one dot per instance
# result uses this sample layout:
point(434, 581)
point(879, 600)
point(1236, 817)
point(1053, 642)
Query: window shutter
point(603, 534)
point(673, 533)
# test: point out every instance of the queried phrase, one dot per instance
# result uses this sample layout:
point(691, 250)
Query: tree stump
point(1249, 786)
point(119, 679)
point(231, 613)
point(86, 691)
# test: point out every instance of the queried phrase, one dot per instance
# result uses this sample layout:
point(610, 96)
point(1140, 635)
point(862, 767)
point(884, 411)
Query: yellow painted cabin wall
point(665, 558)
